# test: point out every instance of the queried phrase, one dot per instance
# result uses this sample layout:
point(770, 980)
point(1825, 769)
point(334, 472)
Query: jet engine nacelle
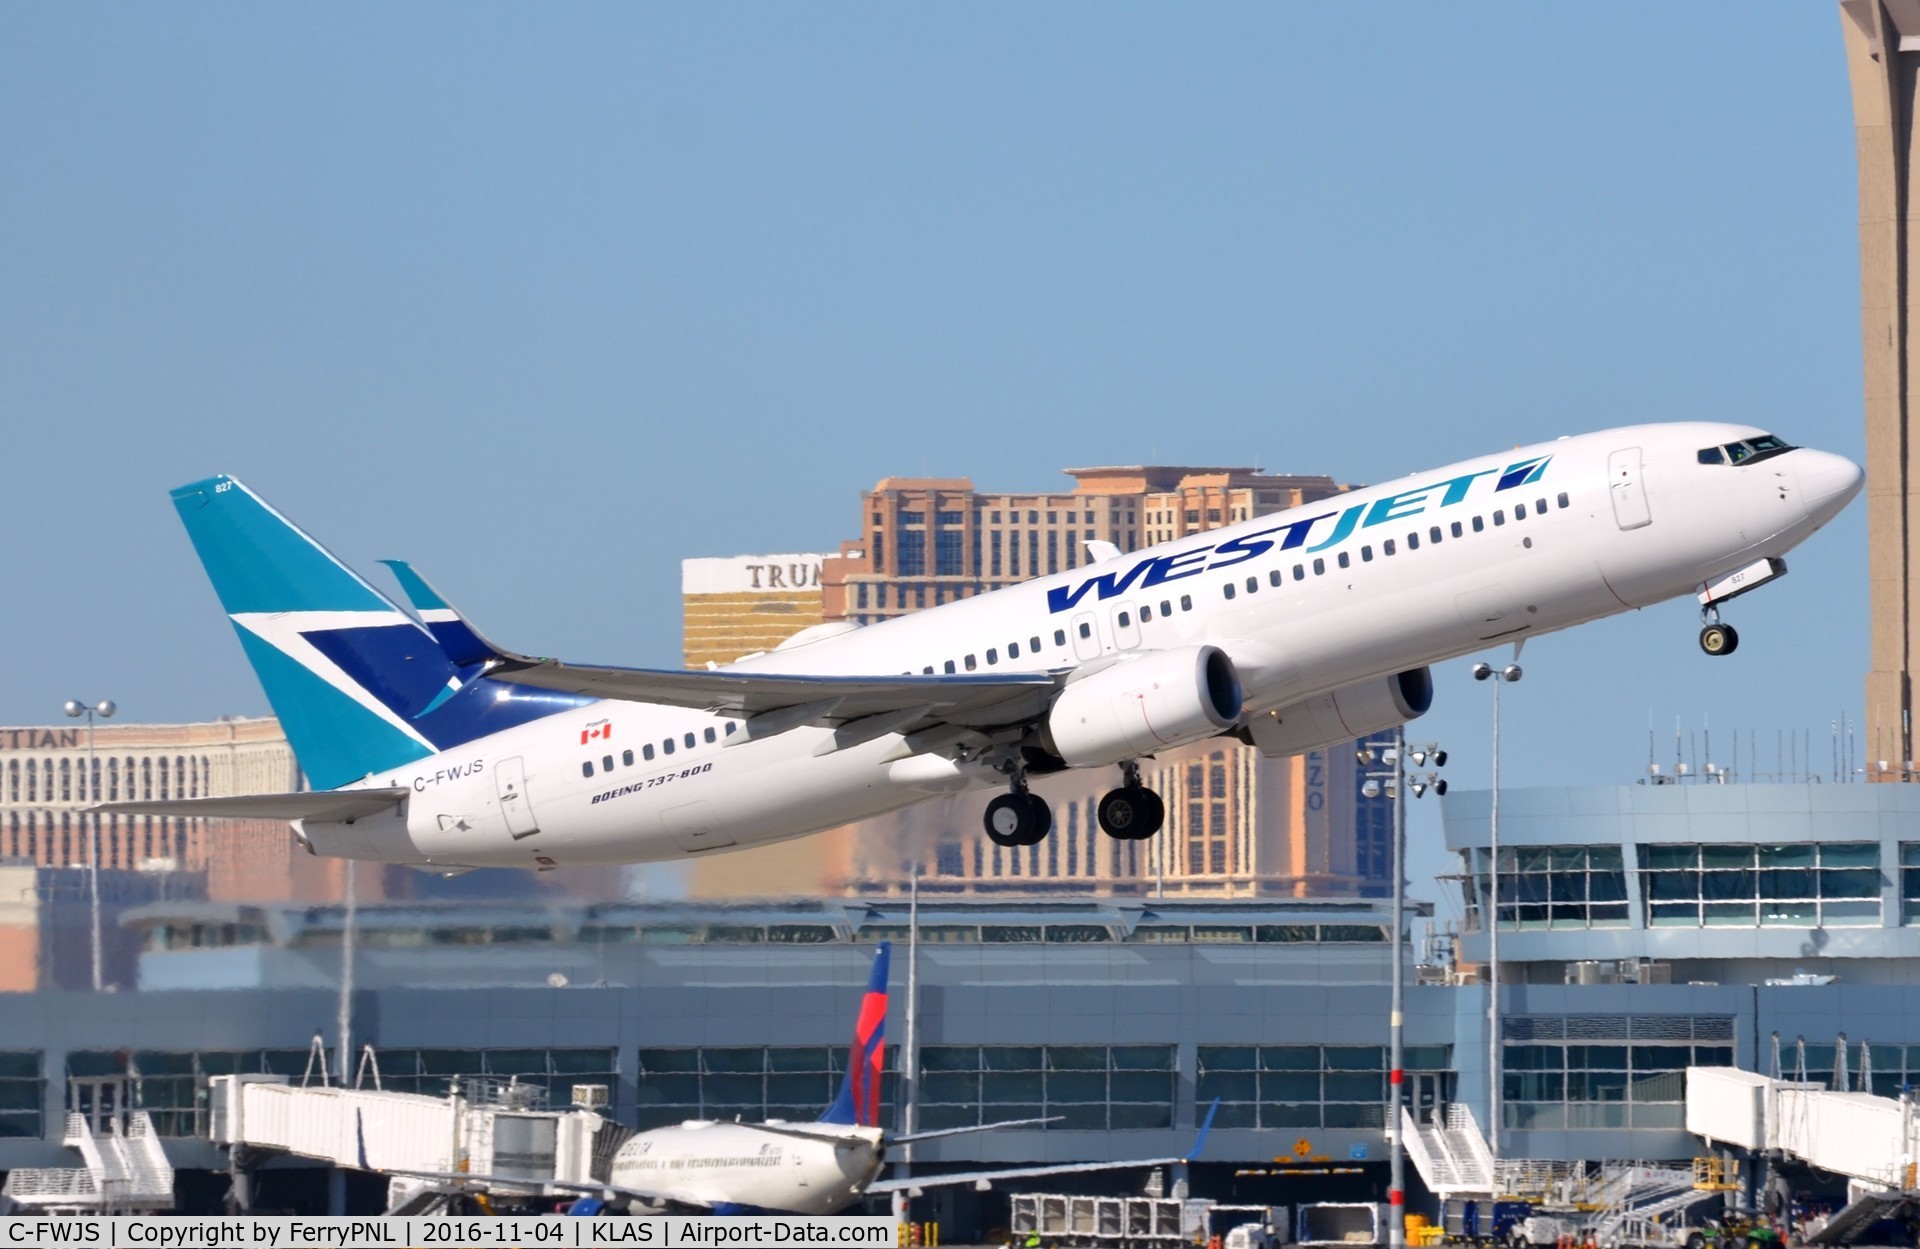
point(1342, 716)
point(1146, 703)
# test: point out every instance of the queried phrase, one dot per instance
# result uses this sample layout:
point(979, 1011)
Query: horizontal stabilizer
point(337, 804)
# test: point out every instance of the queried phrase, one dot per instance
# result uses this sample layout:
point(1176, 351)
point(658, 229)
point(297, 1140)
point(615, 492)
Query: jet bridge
point(1873, 1141)
point(495, 1135)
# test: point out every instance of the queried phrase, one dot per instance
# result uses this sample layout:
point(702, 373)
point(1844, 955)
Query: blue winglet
point(1200, 1141)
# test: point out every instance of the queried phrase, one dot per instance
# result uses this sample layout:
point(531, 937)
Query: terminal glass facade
point(21, 1091)
point(1304, 1086)
point(1824, 885)
point(171, 1085)
point(1558, 887)
point(1606, 1071)
point(1910, 882)
point(1089, 1087)
point(794, 1082)
point(555, 1070)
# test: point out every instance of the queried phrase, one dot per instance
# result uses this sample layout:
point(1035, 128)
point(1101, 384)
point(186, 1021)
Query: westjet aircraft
point(776, 1167)
point(1296, 631)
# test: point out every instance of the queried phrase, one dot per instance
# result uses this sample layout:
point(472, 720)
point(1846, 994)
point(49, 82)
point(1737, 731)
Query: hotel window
point(949, 558)
point(912, 560)
point(1825, 885)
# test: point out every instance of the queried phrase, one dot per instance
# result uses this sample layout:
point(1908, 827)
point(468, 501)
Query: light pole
point(90, 786)
point(1394, 754)
point(1500, 677)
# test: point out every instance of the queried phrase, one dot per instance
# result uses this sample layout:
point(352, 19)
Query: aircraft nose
point(1828, 483)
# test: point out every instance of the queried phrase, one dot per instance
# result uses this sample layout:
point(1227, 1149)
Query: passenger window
point(1346, 560)
point(646, 751)
point(1166, 608)
point(1499, 517)
point(1299, 573)
point(1059, 637)
point(1033, 644)
point(710, 736)
point(1479, 525)
point(1562, 499)
point(1539, 507)
point(1227, 589)
point(689, 741)
point(1413, 542)
point(948, 666)
point(927, 671)
point(1276, 576)
point(1126, 619)
point(1520, 511)
point(586, 769)
point(1013, 650)
point(972, 663)
point(666, 746)
point(1433, 534)
point(1253, 583)
point(1319, 567)
point(1387, 546)
point(626, 758)
point(730, 728)
point(993, 655)
point(1146, 613)
point(606, 763)
point(1457, 531)
point(1086, 630)
point(1186, 602)
point(1366, 554)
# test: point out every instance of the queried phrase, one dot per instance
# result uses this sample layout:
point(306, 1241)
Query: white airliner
point(1292, 632)
point(776, 1166)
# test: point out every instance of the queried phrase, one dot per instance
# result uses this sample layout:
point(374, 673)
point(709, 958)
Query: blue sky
point(550, 298)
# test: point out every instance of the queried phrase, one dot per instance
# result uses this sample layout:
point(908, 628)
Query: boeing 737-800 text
point(426, 744)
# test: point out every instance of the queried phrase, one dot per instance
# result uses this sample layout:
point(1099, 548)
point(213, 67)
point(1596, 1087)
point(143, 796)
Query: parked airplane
point(1294, 631)
point(775, 1167)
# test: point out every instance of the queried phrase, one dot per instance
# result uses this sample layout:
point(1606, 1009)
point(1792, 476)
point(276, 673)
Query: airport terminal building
point(1643, 929)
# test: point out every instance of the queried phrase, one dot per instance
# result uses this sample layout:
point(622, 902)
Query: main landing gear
point(1717, 638)
point(1020, 817)
point(1133, 812)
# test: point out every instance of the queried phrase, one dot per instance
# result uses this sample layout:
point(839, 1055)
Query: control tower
point(1882, 39)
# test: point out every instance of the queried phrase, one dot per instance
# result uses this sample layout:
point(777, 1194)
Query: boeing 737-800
point(1295, 631)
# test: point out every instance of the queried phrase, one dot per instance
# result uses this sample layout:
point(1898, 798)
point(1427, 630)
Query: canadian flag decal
point(603, 730)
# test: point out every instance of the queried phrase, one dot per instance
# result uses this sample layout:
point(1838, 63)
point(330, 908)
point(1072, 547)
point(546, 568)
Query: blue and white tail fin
point(859, 1099)
point(359, 685)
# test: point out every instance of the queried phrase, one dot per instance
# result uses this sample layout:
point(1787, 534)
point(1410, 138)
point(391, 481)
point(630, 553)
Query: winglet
point(463, 643)
point(1200, 1141)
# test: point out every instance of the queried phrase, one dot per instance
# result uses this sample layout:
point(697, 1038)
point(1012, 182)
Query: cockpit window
point(1746, 451)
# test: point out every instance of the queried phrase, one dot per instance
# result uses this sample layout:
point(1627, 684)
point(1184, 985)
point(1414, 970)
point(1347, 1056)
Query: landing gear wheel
point(1719, 639)
point(1018, 819)
point(1131, 813)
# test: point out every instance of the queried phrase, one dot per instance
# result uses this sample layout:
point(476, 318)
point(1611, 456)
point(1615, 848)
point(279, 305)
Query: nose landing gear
point(1717, 638)
point(1133, 812)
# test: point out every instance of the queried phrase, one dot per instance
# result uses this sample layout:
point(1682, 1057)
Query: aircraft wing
point(986, 1179)
point(335, 804)
point(747, 694)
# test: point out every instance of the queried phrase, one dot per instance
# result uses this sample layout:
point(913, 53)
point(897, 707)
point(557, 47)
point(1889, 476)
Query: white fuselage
point(1304, 602)
point(728, 1165)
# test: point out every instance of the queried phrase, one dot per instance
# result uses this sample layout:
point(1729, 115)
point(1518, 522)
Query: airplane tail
point(859, 1099)
point(358, 685)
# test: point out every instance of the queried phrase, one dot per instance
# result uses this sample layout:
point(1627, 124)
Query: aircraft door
point(1086, 636)
point(1629, 490)
point(510, 783)
point(1126, 627)
point(694, 829)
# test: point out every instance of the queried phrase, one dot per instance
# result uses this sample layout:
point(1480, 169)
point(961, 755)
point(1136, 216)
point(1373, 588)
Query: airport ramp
point(123, 1171)
point(1449, 1151)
